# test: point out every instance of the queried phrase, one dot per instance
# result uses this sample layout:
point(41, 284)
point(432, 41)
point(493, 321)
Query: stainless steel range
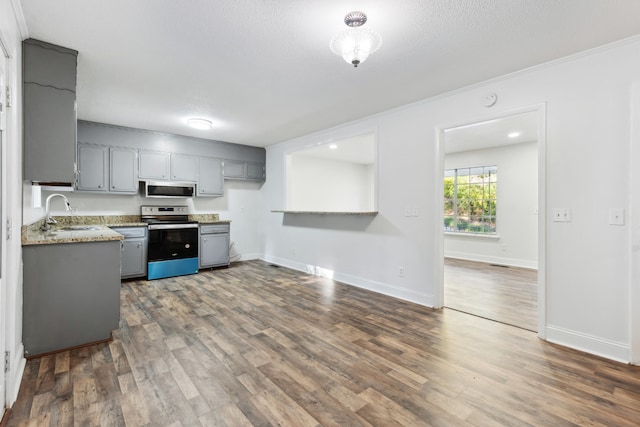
point(173, 241)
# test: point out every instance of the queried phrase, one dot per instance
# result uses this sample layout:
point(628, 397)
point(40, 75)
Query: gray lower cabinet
point(133, 251)
point(71, 295)
point(210, 181)
point(214, 245)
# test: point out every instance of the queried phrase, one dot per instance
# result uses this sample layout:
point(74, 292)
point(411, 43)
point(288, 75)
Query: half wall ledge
point(373, 213)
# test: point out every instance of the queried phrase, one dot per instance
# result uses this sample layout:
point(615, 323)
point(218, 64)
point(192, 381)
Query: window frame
point(479, 213)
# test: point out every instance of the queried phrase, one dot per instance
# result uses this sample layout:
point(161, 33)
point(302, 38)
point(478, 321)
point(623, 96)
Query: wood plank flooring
point(256, 345)
point(505, 294)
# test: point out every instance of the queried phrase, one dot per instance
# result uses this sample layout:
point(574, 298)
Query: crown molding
point(19, 16)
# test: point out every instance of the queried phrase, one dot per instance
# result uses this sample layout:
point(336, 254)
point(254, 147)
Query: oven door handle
point(171, 226)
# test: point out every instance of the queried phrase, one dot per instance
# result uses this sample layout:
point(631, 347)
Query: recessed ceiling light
point(199, 123)
point(333, 146)
point(513, 134)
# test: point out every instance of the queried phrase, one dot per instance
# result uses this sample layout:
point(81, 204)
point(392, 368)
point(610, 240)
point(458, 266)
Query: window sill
point(473, 235)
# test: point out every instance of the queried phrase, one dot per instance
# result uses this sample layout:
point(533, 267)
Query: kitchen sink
point(80, 228)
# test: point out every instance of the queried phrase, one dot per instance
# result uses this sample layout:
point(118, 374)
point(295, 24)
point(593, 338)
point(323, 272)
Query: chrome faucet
point(49, 220)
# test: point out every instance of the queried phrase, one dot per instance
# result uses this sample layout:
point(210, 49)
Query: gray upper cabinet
point(233, 169)
point(253, 171)
point(92, 167)
point(211, 180)
point(49, 65)
point(107, 169)
point(123, 172)
point(154, 165)
point(49, 112)
point(139, 155)
point(184, 168)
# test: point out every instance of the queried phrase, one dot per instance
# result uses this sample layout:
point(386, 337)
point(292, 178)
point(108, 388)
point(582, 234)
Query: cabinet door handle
point(204, 240)
point(139, 244)
point(100, 186)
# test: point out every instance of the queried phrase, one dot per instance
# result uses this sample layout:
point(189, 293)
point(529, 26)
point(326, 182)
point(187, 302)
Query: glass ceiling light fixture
point(202, 124)
point(355, 44)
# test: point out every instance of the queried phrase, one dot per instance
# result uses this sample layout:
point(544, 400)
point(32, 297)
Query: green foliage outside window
point(470, 200)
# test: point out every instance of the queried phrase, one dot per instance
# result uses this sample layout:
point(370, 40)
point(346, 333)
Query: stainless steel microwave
point(170, 189)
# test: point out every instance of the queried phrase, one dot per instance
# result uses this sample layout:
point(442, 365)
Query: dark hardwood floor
point(256, 345)
point(504, 294)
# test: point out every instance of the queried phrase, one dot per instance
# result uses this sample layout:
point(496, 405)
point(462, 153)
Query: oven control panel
point(164, 210)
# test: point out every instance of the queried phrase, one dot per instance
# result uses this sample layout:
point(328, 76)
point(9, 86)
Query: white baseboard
point(589, 344)
point(359, 282)
point(512, 262)
point(250, 256)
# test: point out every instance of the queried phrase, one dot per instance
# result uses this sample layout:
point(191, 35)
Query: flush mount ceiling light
point(355, 44)
point(199, 123)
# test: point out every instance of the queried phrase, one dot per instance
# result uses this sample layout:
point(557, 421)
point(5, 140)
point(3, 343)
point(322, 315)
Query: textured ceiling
point(263, 71)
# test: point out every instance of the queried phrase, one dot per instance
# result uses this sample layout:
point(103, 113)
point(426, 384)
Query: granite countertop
point(32, 235)
point(58, 234)
point(207, 219)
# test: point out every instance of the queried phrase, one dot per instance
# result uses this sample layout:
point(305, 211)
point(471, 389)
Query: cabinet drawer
point(214, 229)
point(130, 232)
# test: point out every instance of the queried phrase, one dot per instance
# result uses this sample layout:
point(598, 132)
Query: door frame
point(540, 109)
point(634, 227)
point(4, 319)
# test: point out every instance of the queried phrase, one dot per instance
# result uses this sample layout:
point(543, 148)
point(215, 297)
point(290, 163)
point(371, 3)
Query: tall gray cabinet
point(49, 111)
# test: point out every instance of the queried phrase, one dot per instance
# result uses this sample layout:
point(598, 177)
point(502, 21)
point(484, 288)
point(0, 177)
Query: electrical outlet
point(401, 271)
point(407, 211)
point(616, 216)
point(562, 215)
point(414, 212)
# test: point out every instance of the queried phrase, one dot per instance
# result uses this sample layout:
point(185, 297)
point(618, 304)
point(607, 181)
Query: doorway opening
point(492, 232)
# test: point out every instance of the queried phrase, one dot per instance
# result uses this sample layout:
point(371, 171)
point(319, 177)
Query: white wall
point(12, 199)
point(318, 184)
point(587, 100)
point(517, 201)
point(241, 203)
